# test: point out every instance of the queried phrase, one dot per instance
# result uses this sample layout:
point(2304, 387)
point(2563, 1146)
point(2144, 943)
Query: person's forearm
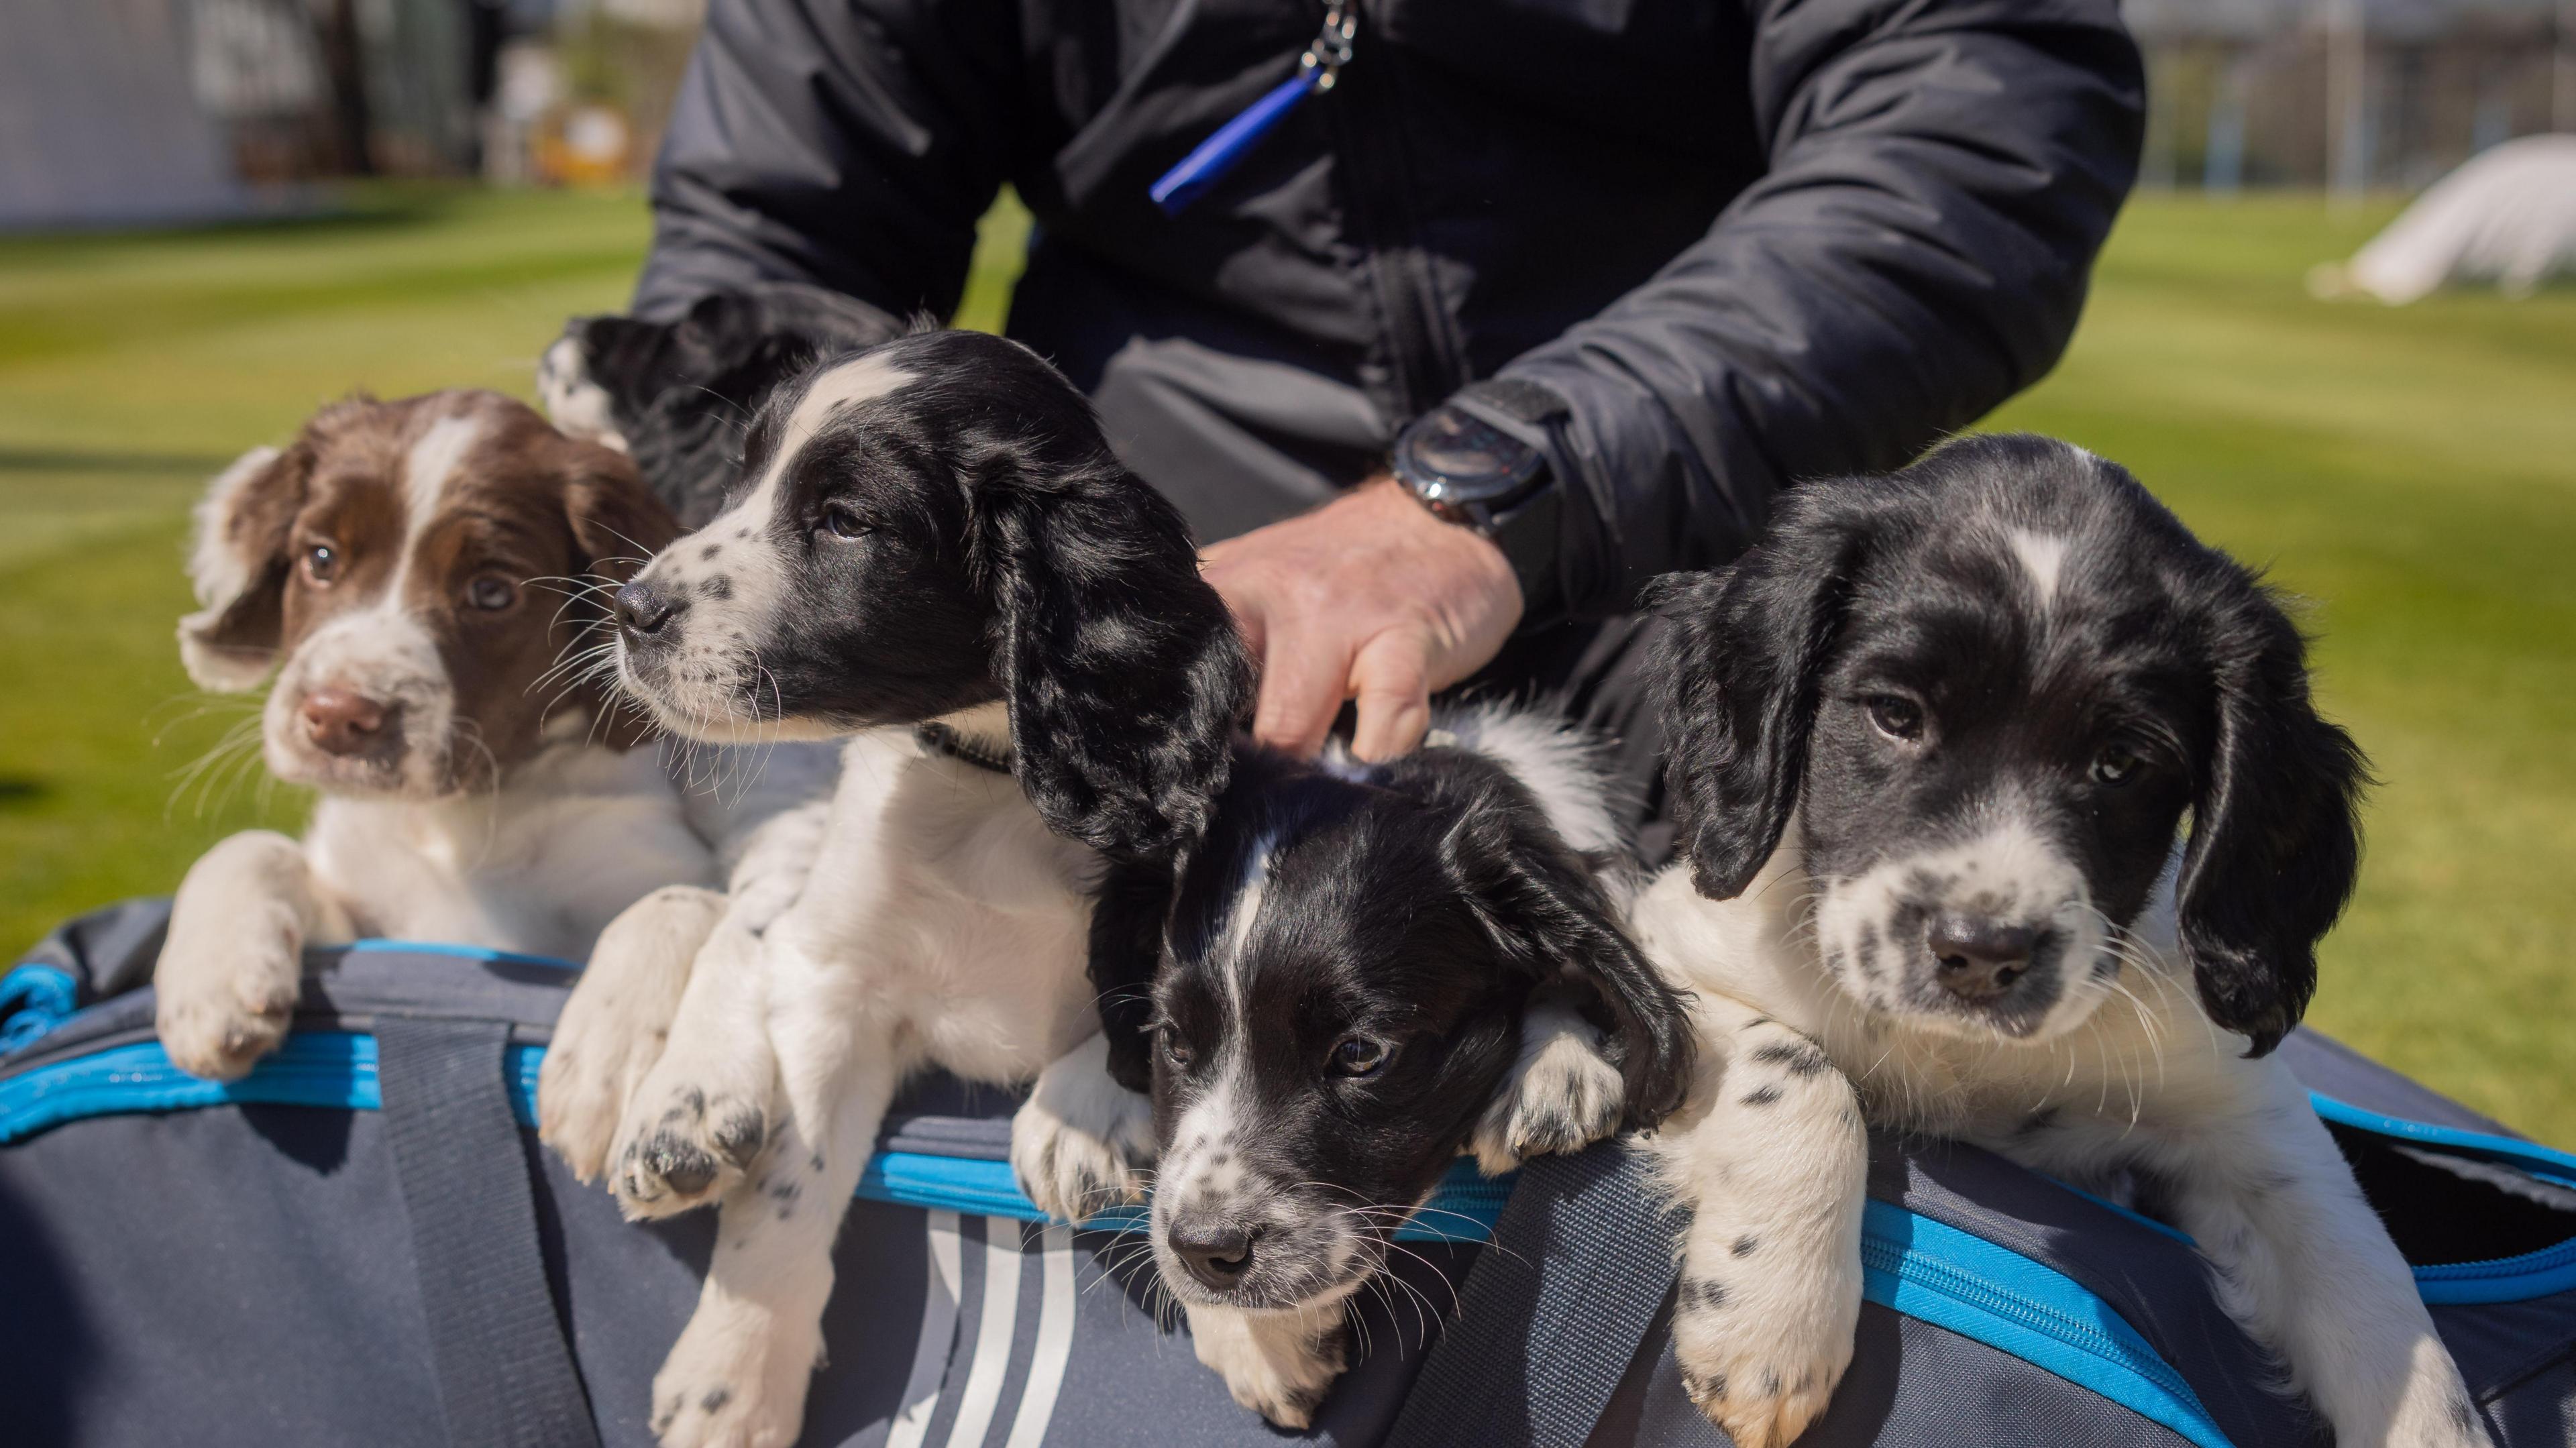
point(1918, 252)
point(850, 144)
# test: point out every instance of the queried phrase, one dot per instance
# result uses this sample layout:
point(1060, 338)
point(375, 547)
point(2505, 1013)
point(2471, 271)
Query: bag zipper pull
point(1317, 69)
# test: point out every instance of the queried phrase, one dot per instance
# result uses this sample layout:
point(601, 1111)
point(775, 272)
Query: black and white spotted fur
point(1363, 970)
point(930, 530)
point(1935, 738)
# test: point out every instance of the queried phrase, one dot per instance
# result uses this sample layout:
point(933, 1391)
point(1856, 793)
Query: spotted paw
point(612, 1030)
point(1762, 1377)
point(684, 1145)
point(1560, 1097)
point(736, 1379)
point(1082, 1143)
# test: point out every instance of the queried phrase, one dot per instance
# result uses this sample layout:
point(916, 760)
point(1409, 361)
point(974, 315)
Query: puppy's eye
point(490, 594)
point(2116, 765)
point(321, 562)
point(1896, 716)
point(1176, 1050)
point(1358, 1056)
point(843, 524)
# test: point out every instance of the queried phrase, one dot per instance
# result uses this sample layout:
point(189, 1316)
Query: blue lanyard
point(1218, 154)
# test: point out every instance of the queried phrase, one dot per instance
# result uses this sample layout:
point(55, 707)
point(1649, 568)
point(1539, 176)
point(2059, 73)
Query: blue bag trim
point(2541, 1161)
point(2166, 1229)
point(336, 1070)
point(1994, 1295)
point(1464, 1208)
point(2501, 1279)
point(34, 999)
point(1911, 1264)
point(456, 952)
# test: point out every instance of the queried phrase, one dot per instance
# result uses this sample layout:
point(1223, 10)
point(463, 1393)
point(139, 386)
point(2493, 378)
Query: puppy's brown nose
point(1216, 1253)
point(1980, 958)
point(342, 721)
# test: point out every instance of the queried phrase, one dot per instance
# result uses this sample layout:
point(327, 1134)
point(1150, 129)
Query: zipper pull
point(1317, 69)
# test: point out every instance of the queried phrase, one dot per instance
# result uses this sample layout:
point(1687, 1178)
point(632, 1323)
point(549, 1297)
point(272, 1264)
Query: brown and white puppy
point(402, 567)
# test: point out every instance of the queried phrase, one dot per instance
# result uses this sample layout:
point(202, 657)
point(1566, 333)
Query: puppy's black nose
point(1980, 958)
point(642, 609)
point(1217, 1254)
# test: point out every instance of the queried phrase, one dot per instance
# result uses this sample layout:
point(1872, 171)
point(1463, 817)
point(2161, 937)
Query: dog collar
point(944, 739)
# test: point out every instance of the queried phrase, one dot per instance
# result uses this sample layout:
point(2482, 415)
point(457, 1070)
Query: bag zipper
point(1961, 1282)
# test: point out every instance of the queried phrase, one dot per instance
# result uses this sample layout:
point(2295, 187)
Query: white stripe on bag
point(913, 1423)
point(1055, 1342)
point(992, 1335)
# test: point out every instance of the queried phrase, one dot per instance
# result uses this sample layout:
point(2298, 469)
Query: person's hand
point(1369, 597)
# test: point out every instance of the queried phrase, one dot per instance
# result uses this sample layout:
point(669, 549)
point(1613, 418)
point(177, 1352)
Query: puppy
point(1362, 971)
point(398, 567)
point(1934, 739)
point(933, 550)
point(677, 396)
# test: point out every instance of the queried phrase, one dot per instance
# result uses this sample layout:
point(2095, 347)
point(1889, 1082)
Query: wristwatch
point(1476, 461)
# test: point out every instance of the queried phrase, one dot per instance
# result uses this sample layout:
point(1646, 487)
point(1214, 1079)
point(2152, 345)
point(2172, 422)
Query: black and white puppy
point(678, 396)
point(932, 551)
point(1362, 971)
point(1936, 736)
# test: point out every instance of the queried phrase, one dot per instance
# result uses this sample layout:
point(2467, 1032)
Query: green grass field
point(2412, 473)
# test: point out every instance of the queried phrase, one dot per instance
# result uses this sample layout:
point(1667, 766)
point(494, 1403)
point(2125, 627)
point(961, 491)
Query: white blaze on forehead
point(847, 385)
point(2042, 556)
point(433, 460)
point(428, 468)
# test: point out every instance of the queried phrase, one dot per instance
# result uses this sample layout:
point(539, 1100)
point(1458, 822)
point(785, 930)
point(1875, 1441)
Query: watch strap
point(1528, 528)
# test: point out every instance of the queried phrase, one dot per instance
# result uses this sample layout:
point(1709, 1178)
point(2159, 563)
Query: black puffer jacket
point(1745, 242)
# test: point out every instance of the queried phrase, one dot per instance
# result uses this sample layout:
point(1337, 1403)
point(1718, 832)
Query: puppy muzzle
point(365, 706)
point(1262, 1252)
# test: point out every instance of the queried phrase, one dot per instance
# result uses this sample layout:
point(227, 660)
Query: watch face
point(1454, 458)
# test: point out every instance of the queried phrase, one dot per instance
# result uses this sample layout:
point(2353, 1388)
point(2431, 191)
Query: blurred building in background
point(2347, 94)
point(119, 112)
point(124, 112)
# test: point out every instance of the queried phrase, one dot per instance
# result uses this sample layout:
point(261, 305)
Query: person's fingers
point(1301, 690)
point(1391, 680)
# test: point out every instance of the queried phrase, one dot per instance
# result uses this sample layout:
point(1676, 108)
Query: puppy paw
point(1082, 1143)
point(1763, 1377)
point(1560, 1097)
point(220, 1004)
point(736, 1379)
point(1278, 1364)
point(612, 1030)
point(683, 1145)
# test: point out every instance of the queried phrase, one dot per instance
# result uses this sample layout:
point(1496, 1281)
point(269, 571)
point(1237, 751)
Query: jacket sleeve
point(851, 144)
point(1941, 175)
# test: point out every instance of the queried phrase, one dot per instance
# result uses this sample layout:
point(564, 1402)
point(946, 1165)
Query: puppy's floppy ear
point(617, 525)
point(1545, 906)
point(1123, 672)
point(1734, 674)
point(1127, 924)
point(238, 565)
point(617, 522)
point(2275, 836)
